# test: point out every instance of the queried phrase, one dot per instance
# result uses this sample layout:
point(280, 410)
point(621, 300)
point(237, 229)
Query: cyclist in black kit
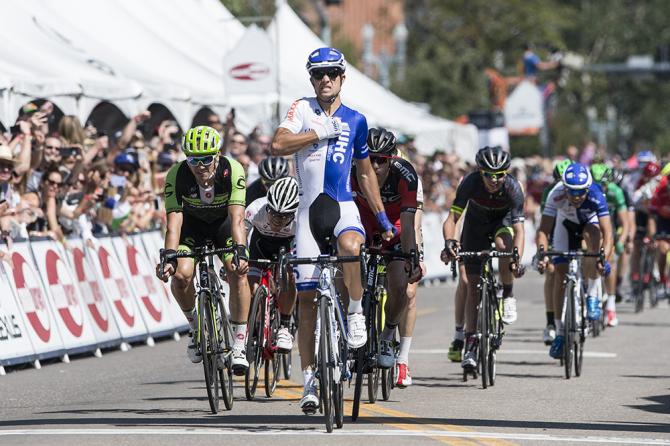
point(271, 169)
point(494, 203)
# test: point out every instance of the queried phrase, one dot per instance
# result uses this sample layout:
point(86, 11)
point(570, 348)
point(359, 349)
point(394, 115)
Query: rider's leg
point(396, 303)
point(406, 323)
point(349, 244)
point(286, 302)
point(307, 327)
point(592, 236)
point(472, 300)
point(240, 300)
point(504, 242)
point(561, 269)
point(183, 289)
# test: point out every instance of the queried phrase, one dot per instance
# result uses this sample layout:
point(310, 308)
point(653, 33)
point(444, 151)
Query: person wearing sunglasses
point(271, 226)
point(325, 136)
point(577, 211)
point(204, 200)
point(494, 201)
point(399, 185)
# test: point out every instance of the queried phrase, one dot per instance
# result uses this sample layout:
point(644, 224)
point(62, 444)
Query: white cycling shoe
point(284, 340)
point(509, 311)
point(240, 363)
point(192, 352)
point(309, 403)
point(358, 333)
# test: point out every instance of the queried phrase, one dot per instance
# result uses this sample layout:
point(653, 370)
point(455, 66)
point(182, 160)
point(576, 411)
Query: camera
point(66, 152)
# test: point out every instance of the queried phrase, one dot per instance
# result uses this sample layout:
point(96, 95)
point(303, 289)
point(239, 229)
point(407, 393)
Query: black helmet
point(381, 141)
point(493, 159)
point(273, 168)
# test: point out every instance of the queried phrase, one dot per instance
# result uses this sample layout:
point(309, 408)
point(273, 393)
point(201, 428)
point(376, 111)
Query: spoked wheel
point(325, 369)
point(225, 360)
point(638, 294)
point(286, 365)
point(272, 365)
point(581, 338)
point(208, 349)
point(255, 342)
point(358, 385)
point(569, 328)
point(485, 340)
point(373, 385)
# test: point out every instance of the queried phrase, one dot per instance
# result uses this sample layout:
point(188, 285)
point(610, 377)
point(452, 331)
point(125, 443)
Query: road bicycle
point(213, 337)
point(573, 317)
point(647, 284)
point(490, 329)
point(374, 297)
point(332, 351)
point(264, 323)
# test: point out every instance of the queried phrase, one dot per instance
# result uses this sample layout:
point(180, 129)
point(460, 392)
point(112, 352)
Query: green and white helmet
point(201, 141)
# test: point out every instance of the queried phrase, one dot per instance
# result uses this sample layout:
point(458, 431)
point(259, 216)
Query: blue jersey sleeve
point(360, 143)
point(600, 200)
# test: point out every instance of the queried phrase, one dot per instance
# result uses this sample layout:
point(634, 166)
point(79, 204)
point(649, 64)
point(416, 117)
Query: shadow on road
point(264, 422)
point(660, 404)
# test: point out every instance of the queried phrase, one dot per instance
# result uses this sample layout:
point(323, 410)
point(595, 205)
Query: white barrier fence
point(56, 301)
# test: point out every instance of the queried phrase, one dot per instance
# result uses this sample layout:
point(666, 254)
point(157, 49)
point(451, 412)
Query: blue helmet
point(326, 58)
point(125, 159)
point(577, 177)
point(646, 156)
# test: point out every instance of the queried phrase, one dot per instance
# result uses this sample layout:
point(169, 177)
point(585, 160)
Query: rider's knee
point(349, 243)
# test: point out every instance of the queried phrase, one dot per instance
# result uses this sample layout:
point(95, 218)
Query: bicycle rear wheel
point(579, 342)
point(271, 374)
point(325, 369)
point(361, 357)
point(341, 363)
point(496, 337)
point(255, 342)
point(373, 385)
point(569, 329)
point(208, 349)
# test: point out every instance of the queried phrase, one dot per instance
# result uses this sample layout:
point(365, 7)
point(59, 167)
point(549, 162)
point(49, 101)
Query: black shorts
point(662, 227)
point(641, 219)
point(196, 232)
point(266, 247)
point(478, 236)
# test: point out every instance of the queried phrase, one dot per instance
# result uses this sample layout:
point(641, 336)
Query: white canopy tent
point(381, 107)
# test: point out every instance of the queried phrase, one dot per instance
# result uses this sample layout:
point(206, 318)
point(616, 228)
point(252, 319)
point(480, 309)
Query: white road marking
point(343, 432)
point(587, 354)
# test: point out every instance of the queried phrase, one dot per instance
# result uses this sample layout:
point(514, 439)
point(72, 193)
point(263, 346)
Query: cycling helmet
point(560, 168)
point(273, 168)
point(599, 172)
point(666, 170)
point(615, 176)
point(577, 177)
point(646, 156)
point(326, 58)
point(381, 141)
point(283, 195)
point(493, 158)
point(201, 141)
point(651, 170)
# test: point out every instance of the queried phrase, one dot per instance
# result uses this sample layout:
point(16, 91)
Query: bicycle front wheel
point(272, 364)
point(208, 348)
point(325, 369)
point(255, 342)
point(569, 329)
point(225, 365)
point(485, 331)
point(581, 338)
point(358, 386)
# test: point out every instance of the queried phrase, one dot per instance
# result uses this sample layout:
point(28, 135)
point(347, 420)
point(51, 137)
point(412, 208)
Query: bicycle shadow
point(660, 404)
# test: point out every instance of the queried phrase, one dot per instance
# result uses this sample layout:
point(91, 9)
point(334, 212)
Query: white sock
point(240, 333)
point(611, 302)
point(308, 377)
point(405, 344)
point(593, 288)
point(459, 334)
point(192, 318)
point(559, 326)
point(355, 306)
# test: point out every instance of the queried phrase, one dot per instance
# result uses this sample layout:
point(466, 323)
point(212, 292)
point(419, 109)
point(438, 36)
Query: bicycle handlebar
point(487, 253)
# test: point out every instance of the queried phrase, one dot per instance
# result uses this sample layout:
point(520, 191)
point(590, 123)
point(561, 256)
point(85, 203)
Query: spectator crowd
point(63, 178)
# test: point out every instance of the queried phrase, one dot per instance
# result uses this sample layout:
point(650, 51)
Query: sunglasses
point(279, 216)
point(55, 183)
point(6, 167)
point(577, 192)
point(49, 147)
point(494, 175)
point(379, 160)
point(200, 160)
point(332, 73)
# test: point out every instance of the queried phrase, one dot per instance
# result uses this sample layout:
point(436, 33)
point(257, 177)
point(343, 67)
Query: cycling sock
point(550, 318)
point(459, 335)
point(355, 306)
point(308, 377)
point(284, 320)
point(611, 303)
point(507, 291)
point(403, 354)
point(389, 330)
point(240, 331)
point(192, 318)
point(559, 326)
point(593, 287)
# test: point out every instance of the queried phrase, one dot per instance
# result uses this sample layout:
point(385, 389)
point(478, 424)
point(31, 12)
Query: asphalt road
point(154, 396)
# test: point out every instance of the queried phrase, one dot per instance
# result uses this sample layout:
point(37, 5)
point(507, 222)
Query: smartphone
point(157, 203)
point(15, 130)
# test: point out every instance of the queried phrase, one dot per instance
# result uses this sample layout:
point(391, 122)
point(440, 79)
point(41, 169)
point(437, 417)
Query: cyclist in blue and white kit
point(579, 209)
point(324, 135)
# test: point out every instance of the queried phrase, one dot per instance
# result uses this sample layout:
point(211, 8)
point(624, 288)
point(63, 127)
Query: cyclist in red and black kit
point(398, 182)
point(494, 203)
point(659, 209)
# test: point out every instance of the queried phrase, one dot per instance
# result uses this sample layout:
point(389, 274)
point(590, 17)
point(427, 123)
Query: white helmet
point(283, 195)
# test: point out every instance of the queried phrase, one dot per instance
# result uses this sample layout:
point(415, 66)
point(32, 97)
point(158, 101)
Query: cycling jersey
point(184, 194)
point(660, 201)
point(258, 219)
point(591, 209)
point(324, 167)
point(398, 193)
point(484, 206)
point(255, 191)
point(616, 201)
